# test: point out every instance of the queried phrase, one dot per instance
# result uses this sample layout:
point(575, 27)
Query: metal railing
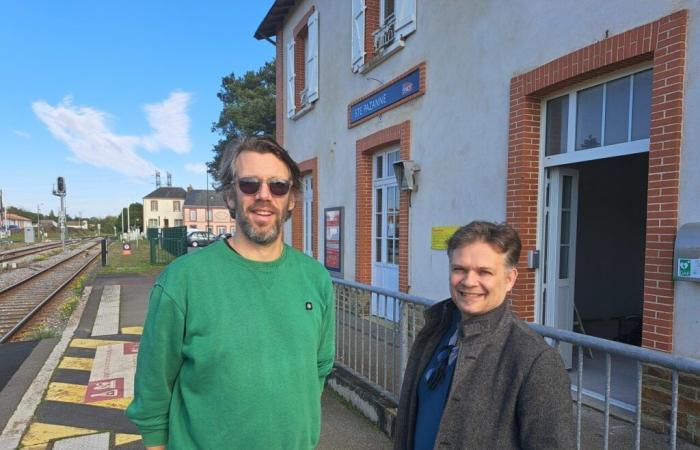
point(375, 329)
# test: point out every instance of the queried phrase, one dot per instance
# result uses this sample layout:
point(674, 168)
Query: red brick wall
point(371, 25)
point(664, 43)
point(366, 147)
point(308, 167)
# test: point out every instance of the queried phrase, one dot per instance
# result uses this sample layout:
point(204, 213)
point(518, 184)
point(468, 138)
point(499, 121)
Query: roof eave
point(274, 19)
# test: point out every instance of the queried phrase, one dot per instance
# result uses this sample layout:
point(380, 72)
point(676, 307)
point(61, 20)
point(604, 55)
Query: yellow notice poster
point(440, 235)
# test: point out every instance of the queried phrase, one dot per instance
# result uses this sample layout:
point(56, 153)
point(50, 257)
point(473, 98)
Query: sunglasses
point(251, 186)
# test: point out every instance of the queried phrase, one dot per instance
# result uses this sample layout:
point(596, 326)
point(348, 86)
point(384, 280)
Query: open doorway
point(610, 242)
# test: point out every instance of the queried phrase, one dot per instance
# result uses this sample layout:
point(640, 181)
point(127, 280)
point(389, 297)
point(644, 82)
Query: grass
point(39, 332)
point(138, 262)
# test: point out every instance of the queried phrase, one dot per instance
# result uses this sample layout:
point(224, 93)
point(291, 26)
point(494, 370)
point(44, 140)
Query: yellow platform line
point(92, 343)
point(70, 362)
point(75, 393)
point(42, 433)
point(132, 330)
point(122, 438)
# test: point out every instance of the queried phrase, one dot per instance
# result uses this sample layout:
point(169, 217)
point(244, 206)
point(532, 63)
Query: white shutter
point(291, 108)
point(312, 61)
point(405, 11)
point(358, 34)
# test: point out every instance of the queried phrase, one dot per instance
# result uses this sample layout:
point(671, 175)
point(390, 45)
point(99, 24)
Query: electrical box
point(686, 253)
point(29, 235)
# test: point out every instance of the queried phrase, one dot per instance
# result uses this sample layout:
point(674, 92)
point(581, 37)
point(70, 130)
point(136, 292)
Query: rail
point(375, 329)
point(36, 307)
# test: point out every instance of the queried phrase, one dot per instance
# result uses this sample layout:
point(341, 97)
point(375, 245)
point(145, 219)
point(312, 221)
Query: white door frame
point(385, 274)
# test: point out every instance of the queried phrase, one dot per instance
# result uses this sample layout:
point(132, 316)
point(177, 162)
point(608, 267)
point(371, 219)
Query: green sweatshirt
point(234, 353)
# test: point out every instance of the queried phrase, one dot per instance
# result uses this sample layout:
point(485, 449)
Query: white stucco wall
point(459, 127)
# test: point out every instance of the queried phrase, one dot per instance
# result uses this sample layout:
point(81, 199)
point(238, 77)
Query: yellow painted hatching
point(35, 447)
point(75, 393)
point(132, 330)
point(41, 433)
point(70, 362)
point(122, 438)
point(92, 343)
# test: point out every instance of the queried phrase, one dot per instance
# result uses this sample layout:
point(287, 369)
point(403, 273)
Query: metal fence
point(375, 329)
point(166, 244)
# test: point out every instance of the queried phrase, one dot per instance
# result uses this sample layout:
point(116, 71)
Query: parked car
point(223, 236)
point(200, 238)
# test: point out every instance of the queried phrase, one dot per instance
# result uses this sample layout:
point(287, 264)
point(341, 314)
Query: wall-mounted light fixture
point(405, 172)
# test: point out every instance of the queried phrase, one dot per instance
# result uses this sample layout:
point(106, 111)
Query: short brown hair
point(501, 236)
point(258, 144)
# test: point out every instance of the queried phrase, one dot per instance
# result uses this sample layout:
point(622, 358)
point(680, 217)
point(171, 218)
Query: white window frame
point(193, 214)
point(154, 205)
point(176, 205)
point(571, 155)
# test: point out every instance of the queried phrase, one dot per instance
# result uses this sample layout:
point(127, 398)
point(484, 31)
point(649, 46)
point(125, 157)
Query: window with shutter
point(393, 21)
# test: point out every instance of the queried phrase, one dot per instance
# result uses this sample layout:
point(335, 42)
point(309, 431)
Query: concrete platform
point(71, 393)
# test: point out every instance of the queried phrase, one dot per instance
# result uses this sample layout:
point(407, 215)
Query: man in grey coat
point(478, 377)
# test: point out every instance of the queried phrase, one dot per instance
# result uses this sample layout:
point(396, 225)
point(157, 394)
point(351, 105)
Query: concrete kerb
point(377, 407)
point(17, 425)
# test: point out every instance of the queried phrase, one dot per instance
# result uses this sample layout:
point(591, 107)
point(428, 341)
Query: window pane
point(378, 225)
point(589, 116)
point(617, 111)
point(390, 199)
point(388, 8)
point(564, 262)
point(565, 227)
point(390, 251)
point(641, 105)
point(378, 202)
point(390, 226)
point(557, 121)
point(378, 251)
point(380, 167)
point(391, 159)
point(566, 192)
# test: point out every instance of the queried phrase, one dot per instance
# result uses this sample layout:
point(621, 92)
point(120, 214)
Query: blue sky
point(105, 93)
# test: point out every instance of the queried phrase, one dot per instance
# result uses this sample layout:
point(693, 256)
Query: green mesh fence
point(168, 244)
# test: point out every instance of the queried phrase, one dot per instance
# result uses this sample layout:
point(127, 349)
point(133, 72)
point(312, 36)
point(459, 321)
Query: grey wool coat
point(509, 389)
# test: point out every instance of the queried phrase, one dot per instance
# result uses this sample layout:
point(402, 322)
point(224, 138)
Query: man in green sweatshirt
point(239, 335)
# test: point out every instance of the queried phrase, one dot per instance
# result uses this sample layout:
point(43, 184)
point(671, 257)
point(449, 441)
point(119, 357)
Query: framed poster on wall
point(333, 240)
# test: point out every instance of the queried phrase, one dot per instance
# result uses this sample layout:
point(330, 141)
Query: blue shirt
point(434, 387)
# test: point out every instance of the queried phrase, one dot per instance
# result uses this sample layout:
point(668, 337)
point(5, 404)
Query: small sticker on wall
point(689, 268)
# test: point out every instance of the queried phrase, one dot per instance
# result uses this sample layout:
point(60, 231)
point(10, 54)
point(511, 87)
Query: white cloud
point(22, 134)
point(87, 133)
point(170, 123)
point(197, 168)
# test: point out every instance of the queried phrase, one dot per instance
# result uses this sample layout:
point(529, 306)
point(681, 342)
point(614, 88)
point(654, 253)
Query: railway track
point(21, 301)
point(22, 252)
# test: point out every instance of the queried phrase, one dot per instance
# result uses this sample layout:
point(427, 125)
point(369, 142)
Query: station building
point(574, 121)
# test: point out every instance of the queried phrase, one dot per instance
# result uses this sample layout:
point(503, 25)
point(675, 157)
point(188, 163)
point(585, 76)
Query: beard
point(252, 232)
